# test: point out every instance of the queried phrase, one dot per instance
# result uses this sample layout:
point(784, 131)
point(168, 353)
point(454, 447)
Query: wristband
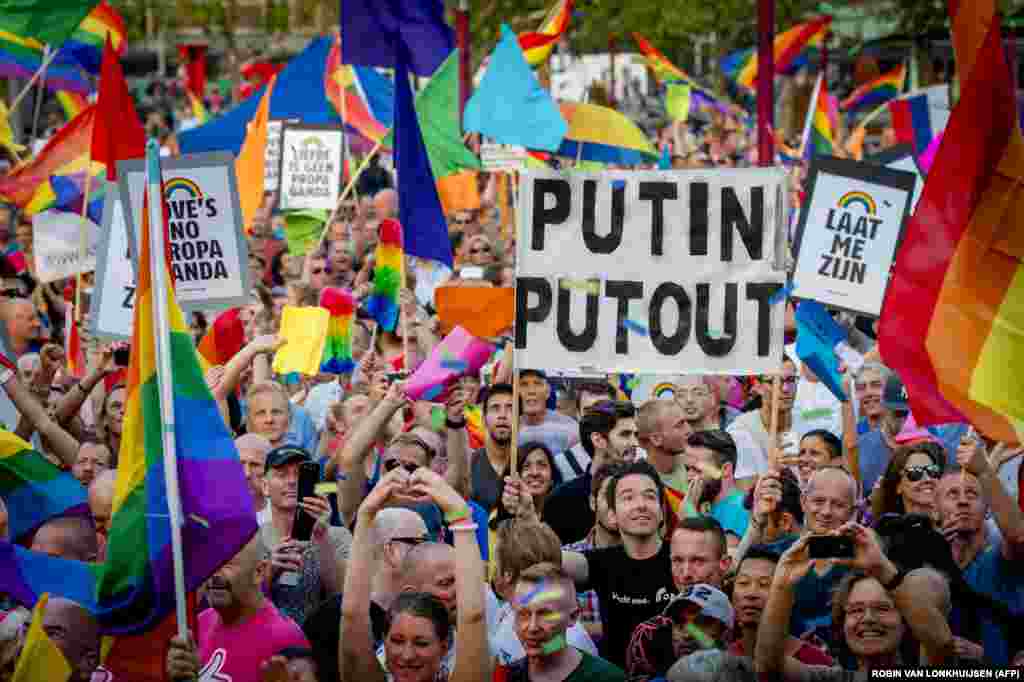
point(464, 527)
point(454, 425)
point(457, 515)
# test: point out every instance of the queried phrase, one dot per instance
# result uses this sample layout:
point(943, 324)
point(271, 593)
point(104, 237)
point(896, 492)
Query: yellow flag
point(40, 658)
point(305, 335)
point(6, 134)
point(249, 164)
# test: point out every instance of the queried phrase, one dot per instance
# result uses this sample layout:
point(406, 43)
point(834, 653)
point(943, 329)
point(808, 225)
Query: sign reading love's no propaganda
point(849, 229)
point(648, 271)
point(311, 165)
point(209, 254)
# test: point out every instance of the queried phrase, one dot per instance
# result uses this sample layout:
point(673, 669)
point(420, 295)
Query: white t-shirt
point(751, 444)
point(816, 408)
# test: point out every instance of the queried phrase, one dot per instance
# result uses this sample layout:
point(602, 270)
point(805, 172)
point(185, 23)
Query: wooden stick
point(83, 246)
point(773, 436)
point(348, 188)
point(47, 58)
point(513, 453)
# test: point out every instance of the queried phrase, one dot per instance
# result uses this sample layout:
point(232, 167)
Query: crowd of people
point(740, 526)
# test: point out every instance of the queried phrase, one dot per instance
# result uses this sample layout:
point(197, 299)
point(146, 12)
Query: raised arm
point(770, 653)
point(971, 455)
point(457, 445)
point(62, 443)
point(237, 365)
point(72, 402)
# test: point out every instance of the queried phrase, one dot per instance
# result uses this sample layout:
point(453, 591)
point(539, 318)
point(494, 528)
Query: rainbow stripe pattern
point(338, 349)
point(85, 45)
point(133, 589)
point(858, 198)
point(664, 70)
point(882, 89)
point(820, 139)
point(792, 50)
point(72, 103)
point(388, 276)
point(342, 81)
point(537, 46)
point(22, 57)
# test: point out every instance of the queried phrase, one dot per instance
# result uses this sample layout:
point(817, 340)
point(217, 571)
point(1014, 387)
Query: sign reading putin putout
point(209, 254)
point(649, 271)
point(848, 233)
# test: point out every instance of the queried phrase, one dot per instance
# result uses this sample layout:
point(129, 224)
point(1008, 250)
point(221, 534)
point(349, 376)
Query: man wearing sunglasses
point(750, 429)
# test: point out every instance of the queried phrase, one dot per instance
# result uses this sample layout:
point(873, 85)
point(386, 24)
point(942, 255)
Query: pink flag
point(459, 353)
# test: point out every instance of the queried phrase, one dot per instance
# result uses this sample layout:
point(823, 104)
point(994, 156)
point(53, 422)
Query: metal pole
point(160, 295)
point(766, 82)
point(465, 63)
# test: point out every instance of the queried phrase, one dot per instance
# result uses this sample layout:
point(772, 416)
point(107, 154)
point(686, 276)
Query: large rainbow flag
point(882, 89)
point(85, 45)
point(342, 81)
point(538, 45)
point(792, 49)
point(133, 590)
point(951, 318)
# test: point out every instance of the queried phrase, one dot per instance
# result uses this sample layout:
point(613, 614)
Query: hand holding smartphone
point(309, 476)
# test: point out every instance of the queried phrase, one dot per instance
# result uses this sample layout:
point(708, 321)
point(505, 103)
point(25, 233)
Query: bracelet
point(464, 527)
point(454, 425)
point(458, 515)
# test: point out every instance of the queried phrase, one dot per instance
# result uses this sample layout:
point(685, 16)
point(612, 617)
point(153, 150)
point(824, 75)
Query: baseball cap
point(284, 454)
point(712, 602)
point(894, 397)
point(535, 372)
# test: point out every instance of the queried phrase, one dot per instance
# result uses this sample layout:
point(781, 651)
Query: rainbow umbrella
point(605, 135)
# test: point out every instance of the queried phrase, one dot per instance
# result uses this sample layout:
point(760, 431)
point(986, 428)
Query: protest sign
point(311, 161)
point(56, 239)
point(502, 157)
point(112, 304)
point(209, 254)
point(849, 229)
point(901, 157)
point(688, 290)
point(272, 153)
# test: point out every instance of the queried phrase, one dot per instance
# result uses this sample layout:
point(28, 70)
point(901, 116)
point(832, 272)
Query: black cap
point(284, 454)
point(895, 395)
point(535, 372)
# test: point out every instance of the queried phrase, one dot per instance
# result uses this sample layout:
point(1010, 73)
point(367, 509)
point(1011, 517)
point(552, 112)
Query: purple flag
point(380, 27)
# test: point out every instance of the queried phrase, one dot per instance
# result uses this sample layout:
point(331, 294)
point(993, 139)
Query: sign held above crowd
point(648, 271)
point(114, 300)
point(311, 164)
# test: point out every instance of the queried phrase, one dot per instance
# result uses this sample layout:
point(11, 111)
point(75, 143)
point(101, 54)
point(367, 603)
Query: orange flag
point(458, 192)
point(249, 164)
point(483, 311)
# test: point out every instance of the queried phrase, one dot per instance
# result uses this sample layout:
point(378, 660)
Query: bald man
point(252, 452)
point(101, 503)
point(430, 568)
point(66, 538)
point(76, 633)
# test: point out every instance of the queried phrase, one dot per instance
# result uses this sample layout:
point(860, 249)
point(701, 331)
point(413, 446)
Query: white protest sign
point(901, 157)
point(209, 254)
point(311, 161)
point(650, 271)
point(849, 228)
point(272, 154)
point(502, 157)
point(56, 240)
point(112, 305)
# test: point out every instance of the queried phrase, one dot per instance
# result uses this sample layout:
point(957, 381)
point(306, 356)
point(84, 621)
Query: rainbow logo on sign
point(185, 185)
point(858, 198)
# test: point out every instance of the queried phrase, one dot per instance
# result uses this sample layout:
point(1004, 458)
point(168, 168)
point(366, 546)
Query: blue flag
point(510, 105)
point(375, 29)
point(425, 230)
point(816, 337)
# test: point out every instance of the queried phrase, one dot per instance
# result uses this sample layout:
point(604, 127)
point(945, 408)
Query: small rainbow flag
point(880, 90)
point(664, 70)
point(342, 81)
point(819, 139)
point(791, 50)
point(338, 349)
point(537, 46)
point(85, 46)
point(388, 276)
point(475, 427)
point(223, 339)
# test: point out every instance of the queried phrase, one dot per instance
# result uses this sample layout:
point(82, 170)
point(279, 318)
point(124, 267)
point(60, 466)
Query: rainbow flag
point(342, 81)
point(75, 356)
point(223, 339)
point(475, 427)
point(34, 489)
point(882, 89)
point(338, 349)
point(952, 314)
point(537, 46)
point(133, 590)
point(818, 138)
point(388, 276)
point(21, 57)
point(85, 46)
point(664, 70)
point(72, 103)
point(40, 658)
point(792, 50)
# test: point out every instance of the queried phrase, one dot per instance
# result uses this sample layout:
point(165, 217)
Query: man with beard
point(697, 619)
point(479, 479)
point(698, 553)
point(76, 633)
point(750, 429)
point(240, 631)
point(710, 467)
point(698, 396)
point(608, 430)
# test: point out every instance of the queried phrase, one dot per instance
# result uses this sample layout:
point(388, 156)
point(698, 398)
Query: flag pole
point(805, 138)
point(161, 294)
point(765, 82)
point(348, 189)
point(83, 238)
point(42, 91)
point(47, 58)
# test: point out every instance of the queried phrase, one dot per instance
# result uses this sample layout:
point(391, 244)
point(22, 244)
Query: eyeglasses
point(916, 473)
point(392, 464)
point(785, 381)
point(412, 542)
point(462, 221)
point(482, 249)
point(321, 271)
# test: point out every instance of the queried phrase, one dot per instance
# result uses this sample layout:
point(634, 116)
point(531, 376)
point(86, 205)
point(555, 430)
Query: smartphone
point(122, 356)
point(309, 476)
point(830, 547)
point(472, 272)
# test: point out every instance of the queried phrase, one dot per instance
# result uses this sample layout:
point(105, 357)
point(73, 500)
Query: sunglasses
point(392, 464)
point(321, 271)
point(462, 221)
point(915, 474)
point(412, 542)
point(482, 249)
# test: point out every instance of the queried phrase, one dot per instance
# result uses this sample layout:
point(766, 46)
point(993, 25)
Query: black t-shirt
point(485, 481)
point(630, 591)
point(567, 510)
